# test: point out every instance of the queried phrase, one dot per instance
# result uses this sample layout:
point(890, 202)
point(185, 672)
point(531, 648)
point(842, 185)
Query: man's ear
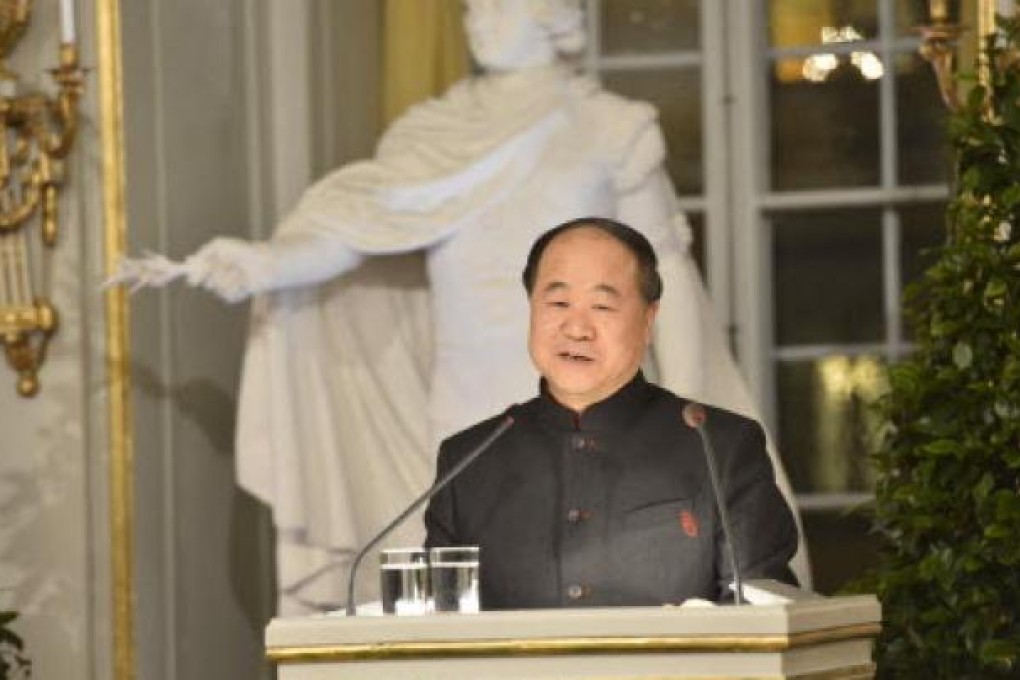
point(650, 314)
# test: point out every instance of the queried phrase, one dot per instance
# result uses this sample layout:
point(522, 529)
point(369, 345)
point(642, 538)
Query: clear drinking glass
point(404, 581)
point(455, 579)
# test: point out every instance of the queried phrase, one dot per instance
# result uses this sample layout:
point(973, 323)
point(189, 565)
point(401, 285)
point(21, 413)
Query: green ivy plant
point(947, 504)
point(14, 665)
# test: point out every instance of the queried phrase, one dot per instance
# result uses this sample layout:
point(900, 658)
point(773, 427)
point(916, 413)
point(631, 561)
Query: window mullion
point(890, 179)
point(715, 111)
point(749, 131)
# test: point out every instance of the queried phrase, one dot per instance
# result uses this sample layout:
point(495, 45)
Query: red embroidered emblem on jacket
point(689, 523)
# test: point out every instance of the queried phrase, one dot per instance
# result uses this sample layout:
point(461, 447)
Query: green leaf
point(971, 563)
point(1000, 653)
point(1011, 196)
point(962, 355)
point(1007, 505)
point(942, 447)
point(1005, 410)
point(976, 97)
point(1013, 253)
point(984, 487)
point(996, 288)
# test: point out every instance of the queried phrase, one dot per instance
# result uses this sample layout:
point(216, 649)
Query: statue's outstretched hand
point(235, 269)
point(231, 268)
point(151, 270)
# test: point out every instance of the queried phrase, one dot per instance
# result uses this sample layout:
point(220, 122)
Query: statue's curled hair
point(564, 20)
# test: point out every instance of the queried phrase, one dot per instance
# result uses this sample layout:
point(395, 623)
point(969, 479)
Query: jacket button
point(576, 591)
point(575, 515)
point(580, 442)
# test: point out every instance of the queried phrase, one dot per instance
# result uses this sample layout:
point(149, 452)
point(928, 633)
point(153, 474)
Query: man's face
point(589, 323)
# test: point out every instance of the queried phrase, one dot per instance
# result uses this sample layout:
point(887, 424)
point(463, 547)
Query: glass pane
point(923, 227)
point(794, 23)
point(826, 424)
point(910, 15)
point(920, 123)
point(841, 546)
point(676, 93)
point(643, 26)
point(826, 133)
point(827, 270)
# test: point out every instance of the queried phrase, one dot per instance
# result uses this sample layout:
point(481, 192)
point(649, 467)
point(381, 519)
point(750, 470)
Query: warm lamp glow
point(817, 67)
point(940, 11)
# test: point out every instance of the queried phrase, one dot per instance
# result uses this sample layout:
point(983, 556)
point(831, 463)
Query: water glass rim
point(403, 554)
point(454, 549)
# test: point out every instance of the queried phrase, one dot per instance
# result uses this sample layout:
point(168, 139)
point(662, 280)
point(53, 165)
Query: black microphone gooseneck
point(504, 425)
point(695, 416)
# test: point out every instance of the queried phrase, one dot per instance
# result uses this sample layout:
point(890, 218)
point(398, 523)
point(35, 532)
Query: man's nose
point(578, 326)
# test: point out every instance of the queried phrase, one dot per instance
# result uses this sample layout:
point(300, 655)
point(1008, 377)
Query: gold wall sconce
point(38, 132)
point(939, 37)
point(941, 32)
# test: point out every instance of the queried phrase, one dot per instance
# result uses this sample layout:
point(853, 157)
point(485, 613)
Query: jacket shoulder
point(461, 443)
point(718, 417)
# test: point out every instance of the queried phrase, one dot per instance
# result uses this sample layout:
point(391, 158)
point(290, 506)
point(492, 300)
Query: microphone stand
point(418, 502)
point(695, 416)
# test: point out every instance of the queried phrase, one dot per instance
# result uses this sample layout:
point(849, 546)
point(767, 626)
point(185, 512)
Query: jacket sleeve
point(764, 532)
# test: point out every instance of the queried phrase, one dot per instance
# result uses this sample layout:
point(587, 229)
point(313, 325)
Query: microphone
point(503, 426)
point(694, 415)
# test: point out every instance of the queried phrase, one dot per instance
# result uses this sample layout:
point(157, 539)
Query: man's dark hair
point(649, 281)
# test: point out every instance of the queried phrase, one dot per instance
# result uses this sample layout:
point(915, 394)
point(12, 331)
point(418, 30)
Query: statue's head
point(506, 35)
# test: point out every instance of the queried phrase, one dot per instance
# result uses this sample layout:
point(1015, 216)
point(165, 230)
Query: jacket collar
point(613, 413)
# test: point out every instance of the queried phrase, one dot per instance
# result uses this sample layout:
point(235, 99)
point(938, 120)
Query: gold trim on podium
point(118, 345)
point(422, 649)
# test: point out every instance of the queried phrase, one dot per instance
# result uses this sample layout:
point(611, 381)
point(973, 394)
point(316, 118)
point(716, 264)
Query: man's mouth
point(572, 356)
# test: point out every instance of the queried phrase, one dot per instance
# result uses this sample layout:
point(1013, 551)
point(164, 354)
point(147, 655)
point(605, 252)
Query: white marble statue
point(350, 381)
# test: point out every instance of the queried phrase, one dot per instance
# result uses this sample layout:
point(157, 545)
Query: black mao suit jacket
point(611, 507)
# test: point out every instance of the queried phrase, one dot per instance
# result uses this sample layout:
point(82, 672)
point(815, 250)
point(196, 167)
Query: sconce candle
point(938, 44)
point(941, 12)
point(67, 21)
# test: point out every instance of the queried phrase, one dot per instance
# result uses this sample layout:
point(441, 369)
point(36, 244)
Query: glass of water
point(455, 579)
point(404, 580)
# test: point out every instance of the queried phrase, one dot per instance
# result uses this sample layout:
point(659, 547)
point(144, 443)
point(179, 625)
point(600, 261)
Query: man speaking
point(599, 494)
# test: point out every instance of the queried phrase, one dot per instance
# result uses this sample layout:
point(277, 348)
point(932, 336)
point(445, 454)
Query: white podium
point(812, 639)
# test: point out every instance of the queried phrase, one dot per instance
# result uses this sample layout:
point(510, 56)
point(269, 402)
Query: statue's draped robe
point(349, 386)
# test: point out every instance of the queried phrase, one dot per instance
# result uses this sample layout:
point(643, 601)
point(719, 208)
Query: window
point(806, 143)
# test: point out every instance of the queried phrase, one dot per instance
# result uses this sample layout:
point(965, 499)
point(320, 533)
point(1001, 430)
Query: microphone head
point(694, 414)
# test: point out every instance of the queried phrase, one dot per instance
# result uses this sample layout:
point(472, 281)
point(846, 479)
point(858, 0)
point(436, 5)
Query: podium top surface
point(777, 626)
